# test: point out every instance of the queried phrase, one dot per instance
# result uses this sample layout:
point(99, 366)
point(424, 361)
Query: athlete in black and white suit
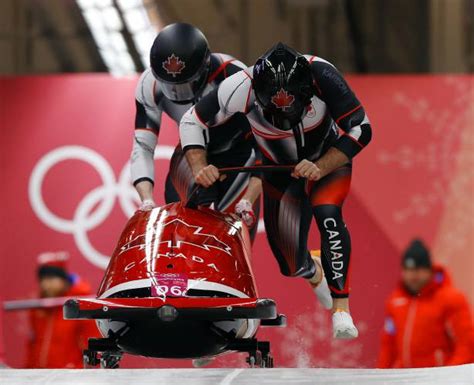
point(182, 71)
point(302, 112)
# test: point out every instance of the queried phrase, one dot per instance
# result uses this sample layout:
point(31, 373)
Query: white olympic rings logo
point(85, 218)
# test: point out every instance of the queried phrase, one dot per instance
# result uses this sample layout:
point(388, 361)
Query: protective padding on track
point(459, 375)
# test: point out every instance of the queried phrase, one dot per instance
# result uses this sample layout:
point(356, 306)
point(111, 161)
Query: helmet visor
point(178, 92)
point(187, 91)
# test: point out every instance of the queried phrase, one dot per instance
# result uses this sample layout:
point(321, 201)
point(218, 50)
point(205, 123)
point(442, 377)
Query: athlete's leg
point(171, 195)
point(335, 248)
point(327, 198)
point(256, 210)
point(180, 178)
point(287, 216)
point(234, 187)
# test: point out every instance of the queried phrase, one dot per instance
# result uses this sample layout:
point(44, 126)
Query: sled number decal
point(169, 285)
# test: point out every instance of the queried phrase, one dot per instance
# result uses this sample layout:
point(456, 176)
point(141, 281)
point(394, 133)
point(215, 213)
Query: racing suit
point(335, 118)
point(230, 144)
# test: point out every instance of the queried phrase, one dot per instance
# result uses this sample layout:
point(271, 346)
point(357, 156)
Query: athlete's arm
point(212, 110)
point(347, 112)
point(145, 192)
point(330, 161)
point(254, 189)
point(244, 208)
point(142, 164)
point(145, 139)
point(204, 174)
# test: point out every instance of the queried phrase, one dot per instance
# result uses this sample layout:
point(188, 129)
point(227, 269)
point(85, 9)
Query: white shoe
point(321, 288)
point(324, 294)
point(342, 325)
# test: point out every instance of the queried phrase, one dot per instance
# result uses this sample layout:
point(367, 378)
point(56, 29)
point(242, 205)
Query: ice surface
point(459, 375)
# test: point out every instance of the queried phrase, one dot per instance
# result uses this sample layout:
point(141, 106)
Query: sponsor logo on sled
point(174, 65)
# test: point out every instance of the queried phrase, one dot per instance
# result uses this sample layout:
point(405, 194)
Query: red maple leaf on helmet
point(174, 65)
point(282, 99)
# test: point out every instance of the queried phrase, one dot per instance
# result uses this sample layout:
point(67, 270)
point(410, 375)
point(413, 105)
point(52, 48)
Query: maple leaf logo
point(282, 99)
point(194, 237)
point(174, 65)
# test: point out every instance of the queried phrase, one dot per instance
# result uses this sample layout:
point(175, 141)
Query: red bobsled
point(179, 285)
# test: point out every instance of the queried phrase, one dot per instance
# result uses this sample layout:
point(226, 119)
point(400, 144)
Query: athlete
point(182, 71)
point(296, 105)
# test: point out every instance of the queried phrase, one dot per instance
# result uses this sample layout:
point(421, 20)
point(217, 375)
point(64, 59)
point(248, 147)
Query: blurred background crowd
point(411, 209)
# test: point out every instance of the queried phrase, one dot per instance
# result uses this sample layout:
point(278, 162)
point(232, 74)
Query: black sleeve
point(216, 109)
point(208, 107)
point(205, 111)
point(344, 107)
point(142, 120)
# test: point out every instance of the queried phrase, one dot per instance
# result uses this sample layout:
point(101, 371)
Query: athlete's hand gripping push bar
point(256, 169)
point(193, 199)
point(304, 169)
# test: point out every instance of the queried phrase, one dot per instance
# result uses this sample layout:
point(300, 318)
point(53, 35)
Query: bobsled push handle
point(261, 168)
point(193, 197)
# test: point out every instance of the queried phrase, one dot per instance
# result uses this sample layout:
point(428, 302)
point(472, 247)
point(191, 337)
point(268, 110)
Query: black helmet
point(180, 59)
point(283, 85)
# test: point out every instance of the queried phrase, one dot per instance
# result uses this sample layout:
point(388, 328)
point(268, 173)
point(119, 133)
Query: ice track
point(460, 375)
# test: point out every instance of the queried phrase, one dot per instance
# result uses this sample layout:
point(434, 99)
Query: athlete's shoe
point(320, 285)
point(342, 325)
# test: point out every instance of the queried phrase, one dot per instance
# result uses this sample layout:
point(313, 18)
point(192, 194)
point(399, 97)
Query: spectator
point(428, 321)
point(55, 342)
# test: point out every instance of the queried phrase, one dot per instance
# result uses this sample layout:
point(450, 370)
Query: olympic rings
point(103, 197)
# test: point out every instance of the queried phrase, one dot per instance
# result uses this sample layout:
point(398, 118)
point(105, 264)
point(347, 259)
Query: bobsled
point(179, 284)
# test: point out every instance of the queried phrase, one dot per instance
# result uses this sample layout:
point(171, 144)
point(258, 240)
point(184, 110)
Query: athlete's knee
point(294, 263)
point(305, 268)
point(328, 216)
point(331, 225)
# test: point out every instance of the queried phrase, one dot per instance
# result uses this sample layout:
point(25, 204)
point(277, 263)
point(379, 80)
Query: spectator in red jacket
point(428, 321)
point(55, 342)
